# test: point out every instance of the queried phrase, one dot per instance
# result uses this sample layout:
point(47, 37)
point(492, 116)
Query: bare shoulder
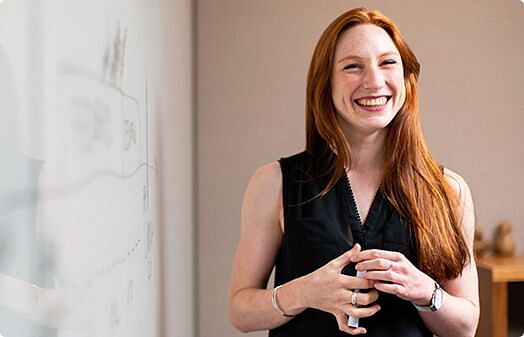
point(265, 183)
point(263, 197)
point(457, 183)
point(267, 176)
point(466, 208)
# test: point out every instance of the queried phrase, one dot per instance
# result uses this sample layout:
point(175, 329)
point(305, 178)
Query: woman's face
point(367, 80)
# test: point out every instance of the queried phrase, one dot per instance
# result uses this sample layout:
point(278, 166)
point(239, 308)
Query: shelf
point(495, 273)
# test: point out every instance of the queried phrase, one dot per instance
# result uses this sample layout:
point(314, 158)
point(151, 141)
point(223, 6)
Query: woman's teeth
point(372, 101)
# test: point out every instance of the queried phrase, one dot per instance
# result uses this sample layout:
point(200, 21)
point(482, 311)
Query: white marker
point(353, 321)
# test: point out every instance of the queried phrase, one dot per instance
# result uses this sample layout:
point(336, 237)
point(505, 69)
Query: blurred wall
point(252, 60)
point(176, 140)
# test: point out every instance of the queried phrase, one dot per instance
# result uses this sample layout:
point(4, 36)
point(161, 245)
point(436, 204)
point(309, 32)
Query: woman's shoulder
point(466, 207)
point(273, 171)
point(270, 175)
point(297, 159)
point(457, 183)
point(262, 199)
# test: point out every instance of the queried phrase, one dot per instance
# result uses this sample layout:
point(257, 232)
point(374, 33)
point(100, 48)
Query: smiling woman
point(366, 195)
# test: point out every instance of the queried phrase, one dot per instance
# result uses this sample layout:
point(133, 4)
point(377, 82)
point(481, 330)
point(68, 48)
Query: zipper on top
point(355, 207)
point(355, 210)
point(362, 224)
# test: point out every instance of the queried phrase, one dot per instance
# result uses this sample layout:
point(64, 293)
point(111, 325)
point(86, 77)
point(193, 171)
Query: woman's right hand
point(331, 291)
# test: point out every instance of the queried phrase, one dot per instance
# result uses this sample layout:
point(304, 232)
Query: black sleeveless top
point(318, 229)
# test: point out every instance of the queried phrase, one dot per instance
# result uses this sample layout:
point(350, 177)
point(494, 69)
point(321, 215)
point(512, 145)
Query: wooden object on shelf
point(495, 272)
point(504, 242)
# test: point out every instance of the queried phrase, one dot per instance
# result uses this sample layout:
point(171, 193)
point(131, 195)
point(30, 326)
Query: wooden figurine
point(504, 242)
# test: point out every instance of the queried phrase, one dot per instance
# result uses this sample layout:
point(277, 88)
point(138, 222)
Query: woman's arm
point(458, 316)
point(250, 305)
point(260, 238)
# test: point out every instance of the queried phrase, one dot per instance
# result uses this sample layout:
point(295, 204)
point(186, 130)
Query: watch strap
point(431, 306)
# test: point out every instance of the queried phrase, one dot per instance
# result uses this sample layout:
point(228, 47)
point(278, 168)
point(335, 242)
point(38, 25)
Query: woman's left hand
point(395, 274)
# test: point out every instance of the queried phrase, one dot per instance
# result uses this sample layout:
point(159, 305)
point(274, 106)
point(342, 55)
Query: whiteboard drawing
point(82, 226)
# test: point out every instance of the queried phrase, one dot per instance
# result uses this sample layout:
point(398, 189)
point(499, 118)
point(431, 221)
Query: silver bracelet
point(275, 304)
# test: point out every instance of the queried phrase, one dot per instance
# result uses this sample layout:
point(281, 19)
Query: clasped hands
point(389, 272)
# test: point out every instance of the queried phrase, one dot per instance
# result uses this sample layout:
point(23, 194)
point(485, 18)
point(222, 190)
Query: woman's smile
point(372, 103)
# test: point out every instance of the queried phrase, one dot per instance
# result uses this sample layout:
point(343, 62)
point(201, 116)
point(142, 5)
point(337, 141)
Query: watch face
point(437, 299)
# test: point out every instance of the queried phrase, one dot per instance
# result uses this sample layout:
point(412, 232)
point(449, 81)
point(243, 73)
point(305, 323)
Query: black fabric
point(318, 229)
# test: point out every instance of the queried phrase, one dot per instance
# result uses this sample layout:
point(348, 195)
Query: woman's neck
point(367, 152)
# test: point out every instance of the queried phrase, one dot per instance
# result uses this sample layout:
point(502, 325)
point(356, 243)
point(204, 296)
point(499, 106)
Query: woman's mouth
point(372, 102)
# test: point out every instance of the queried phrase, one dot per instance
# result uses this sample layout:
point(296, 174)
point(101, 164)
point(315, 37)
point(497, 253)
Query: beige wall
point(251, 68)
point(176, 137)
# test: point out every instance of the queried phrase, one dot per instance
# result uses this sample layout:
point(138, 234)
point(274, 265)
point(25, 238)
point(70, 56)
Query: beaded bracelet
point(275, 304)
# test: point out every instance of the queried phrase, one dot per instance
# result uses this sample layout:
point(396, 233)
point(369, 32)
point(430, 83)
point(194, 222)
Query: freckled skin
point(367, 64)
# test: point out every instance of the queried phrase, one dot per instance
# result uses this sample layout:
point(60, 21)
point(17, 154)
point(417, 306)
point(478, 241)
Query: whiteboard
point(79, 183)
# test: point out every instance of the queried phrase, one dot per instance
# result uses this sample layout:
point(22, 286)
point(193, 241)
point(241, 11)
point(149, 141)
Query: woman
point(366, 195)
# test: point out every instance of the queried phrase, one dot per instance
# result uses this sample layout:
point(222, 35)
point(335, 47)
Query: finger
point(362, 298)
point(385, 276)
point(375, 264)
point(360, 311)
point(376, 254)
point(392, 288)
point(352, 282)
point(342, 320)
point(344, 259)
point(367, 298)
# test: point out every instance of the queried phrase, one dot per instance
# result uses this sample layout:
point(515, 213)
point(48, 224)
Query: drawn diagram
point(91, 206)
point(103, 140)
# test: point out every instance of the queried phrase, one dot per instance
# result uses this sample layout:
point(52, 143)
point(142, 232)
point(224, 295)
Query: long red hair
point(413, 181)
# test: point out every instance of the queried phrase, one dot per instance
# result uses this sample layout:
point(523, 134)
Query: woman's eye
point(388, 62)
point(352, 66)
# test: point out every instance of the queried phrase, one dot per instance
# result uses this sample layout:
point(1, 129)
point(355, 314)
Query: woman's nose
point(373, 78)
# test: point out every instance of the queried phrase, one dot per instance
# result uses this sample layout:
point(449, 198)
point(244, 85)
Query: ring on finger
point(354, 298)
point(390, 265)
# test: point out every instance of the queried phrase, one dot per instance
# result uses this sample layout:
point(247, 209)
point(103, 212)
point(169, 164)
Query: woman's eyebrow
point(350, 57)
point(358, 58)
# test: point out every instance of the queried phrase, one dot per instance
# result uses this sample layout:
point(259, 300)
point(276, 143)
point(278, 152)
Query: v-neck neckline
point(354, 204)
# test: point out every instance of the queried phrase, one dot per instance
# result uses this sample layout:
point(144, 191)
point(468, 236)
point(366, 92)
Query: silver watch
point(436, 300)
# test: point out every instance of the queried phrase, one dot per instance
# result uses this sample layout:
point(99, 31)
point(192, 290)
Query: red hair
point(413, 181)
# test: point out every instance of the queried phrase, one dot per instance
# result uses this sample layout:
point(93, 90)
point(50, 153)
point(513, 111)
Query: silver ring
point(390, 265)
point(354, 298)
